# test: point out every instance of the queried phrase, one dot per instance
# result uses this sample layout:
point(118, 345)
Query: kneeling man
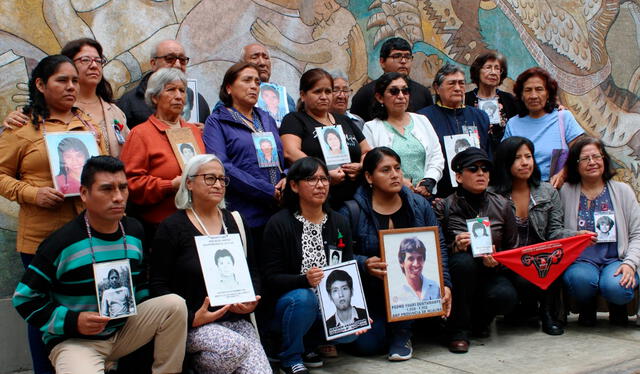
point(58, 293)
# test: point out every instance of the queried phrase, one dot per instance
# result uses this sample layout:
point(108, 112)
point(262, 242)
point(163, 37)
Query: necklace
point(89, 102)
point(124, 238)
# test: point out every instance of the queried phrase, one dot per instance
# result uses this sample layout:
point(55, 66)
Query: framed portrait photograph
point(190, 111)
point(605, 225)
point(454, 144)
point(114, 289)
point(266, 149)
point(480, 233)
point(225, 270)
point(414, 283)
point(492, 108)
point(334, 145)
point(273, 100)
point(183, 144)
point(68, 151)
point(342, 302)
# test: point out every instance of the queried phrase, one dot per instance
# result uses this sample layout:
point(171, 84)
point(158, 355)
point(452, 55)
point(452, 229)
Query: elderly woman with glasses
point(152, 169)
point(341, 93)
point(449, 116)
point(220, 339)
point(609, 267)
point(297, 244)
point(487, 72)
point(408, 134)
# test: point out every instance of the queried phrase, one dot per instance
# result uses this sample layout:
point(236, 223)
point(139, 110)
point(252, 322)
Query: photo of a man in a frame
point(340, 289)
point(226, 270)
point(411, 256)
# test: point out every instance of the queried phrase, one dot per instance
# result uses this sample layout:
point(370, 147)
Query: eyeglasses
point(315, 180)
point(399, 56)
point(395, 91)
point(475, 168)
point(496, 68)
point(596, 157)
point(210, 179)
point(171, 59)
point(346, 91)
point(86, 60)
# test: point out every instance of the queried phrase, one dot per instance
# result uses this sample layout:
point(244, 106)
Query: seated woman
point(153, 171)
point(299, 133)
point(298, 241)
point(410, 135)
point(540, 121)
point(539, 217)
point(608, 267)
point(482, 288)
point(222, 339)
point(382, 203)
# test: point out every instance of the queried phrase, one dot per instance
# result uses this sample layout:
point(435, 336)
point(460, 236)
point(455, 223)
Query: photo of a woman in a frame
point(72, 154)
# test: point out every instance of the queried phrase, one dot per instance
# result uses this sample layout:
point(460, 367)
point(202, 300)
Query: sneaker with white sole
point(312, 360)
point(295, 369)
point(400, 350)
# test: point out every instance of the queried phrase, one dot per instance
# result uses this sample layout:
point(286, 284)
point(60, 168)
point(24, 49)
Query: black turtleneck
point(475, 201)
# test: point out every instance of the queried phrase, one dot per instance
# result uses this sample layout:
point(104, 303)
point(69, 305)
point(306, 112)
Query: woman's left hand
point(422, 190)
point(279, 187)
point(446, 301)
point(489, 261)
point(352, 169)
point(628, 279)
point(245, 308)
point(365, 330)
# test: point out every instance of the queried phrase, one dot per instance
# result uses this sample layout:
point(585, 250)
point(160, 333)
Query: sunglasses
point(395, 91)
point(475, 168)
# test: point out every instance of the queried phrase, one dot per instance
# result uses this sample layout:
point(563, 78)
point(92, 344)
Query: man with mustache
point(57, 294)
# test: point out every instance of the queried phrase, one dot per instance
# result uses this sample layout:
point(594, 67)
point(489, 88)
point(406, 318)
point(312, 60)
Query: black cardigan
point(175, 265)
point(282, 243)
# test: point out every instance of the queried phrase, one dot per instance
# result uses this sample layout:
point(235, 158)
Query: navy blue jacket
point(448, 122)
point(367, 243)
point(250, 191)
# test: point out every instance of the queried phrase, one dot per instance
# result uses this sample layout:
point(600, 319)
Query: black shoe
point(295, 369)
point(312, 360)
point(618, 315)
point(588, 318)
point(549, 325)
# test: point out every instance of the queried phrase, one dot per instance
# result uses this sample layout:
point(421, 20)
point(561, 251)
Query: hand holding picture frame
point(342, 301)
point(414, 285)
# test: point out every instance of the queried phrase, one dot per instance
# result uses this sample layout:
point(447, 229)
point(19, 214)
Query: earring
point(371, 185)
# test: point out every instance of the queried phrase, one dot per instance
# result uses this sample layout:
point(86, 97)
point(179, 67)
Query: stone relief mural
point(590, 46)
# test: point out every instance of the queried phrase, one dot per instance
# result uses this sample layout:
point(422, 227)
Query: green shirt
point(410, 150)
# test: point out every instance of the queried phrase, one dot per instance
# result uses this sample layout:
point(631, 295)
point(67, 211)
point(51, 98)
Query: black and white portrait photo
point(114, 289)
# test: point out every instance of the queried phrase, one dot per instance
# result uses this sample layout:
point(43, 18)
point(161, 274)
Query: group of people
point(312, 190)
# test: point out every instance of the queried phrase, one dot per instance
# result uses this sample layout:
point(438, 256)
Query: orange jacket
point(150, 165)
point(24, 168)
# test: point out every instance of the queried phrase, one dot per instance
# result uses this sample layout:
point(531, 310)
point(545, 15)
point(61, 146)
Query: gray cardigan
point(627, 213)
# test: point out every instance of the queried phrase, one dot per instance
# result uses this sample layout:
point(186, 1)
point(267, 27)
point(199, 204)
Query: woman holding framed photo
point(220, 339)
point(384, 202)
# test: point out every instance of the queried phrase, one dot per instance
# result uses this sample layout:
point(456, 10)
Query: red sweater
point(150, 165)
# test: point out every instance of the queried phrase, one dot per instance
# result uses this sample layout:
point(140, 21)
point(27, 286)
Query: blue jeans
point(39, 355)
point(584, 280)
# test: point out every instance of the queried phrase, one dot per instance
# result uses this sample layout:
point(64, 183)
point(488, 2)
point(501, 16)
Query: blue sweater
point(448, 122)
point(367, 243)
point(250, 191)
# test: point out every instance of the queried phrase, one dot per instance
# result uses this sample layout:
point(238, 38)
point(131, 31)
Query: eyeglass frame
point(405, 91)
point(172, 56)
point(224, 180)
point(346, 92)
point(590, 158)
point(100, 61)
point(326, 180)
point(475, 168)
point(398, 57)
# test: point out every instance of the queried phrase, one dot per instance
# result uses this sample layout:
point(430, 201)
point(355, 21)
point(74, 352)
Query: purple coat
point(250, 191)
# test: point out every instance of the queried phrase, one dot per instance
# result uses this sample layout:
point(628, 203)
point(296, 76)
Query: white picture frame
point(114, 289)
point(68, 151)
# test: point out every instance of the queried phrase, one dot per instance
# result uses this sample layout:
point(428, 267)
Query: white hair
point(183, 196)
point(339, 74)
point(159, 79)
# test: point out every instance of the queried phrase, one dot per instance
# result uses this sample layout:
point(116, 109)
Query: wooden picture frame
point(402, 301)
point(182, 143)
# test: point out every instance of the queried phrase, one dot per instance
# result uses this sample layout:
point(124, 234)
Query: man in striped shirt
point(57, 293)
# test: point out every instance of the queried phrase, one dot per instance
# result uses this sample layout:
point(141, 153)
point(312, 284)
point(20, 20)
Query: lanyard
point(124, 238)
point(224, 227)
